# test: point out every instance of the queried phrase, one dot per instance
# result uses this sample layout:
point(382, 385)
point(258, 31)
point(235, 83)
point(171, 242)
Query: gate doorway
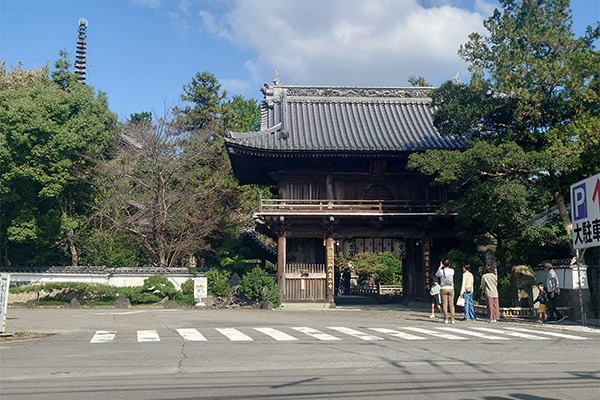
point(305, 270)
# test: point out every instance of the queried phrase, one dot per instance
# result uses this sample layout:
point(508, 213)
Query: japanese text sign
point(585, 212)
point(4, 284)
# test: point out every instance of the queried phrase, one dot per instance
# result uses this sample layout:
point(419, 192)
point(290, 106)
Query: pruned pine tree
point(530, 115)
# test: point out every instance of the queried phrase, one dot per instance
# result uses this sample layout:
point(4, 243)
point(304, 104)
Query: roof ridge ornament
point(357, 91)
point(276, 80)
point(457, 79)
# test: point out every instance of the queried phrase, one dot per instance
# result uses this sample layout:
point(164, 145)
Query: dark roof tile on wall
point(344, 119)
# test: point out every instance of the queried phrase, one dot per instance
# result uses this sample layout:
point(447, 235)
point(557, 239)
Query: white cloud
point(235, 85)
point(484, 8)
point(340, 42)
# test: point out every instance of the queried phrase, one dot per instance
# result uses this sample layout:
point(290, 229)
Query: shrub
point(187, 287)
point(392, 272)
point(385, 267)
point(159, 285)
point(184, 298)
point(218, 282)
point(259, 286)
point(504, 296)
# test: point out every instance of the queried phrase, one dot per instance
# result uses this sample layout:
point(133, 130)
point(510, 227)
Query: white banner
point(4, 284)
point(585, 212)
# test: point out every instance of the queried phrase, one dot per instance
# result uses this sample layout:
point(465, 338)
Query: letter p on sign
point(579, 202)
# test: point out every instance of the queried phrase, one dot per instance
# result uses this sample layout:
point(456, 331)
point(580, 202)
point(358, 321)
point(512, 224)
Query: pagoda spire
point(80, 59)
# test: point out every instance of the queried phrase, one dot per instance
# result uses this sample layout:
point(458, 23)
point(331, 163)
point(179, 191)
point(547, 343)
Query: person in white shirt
point(446, 275)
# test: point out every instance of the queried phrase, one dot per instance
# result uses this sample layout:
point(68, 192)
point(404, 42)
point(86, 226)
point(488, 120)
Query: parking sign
point(585, 212)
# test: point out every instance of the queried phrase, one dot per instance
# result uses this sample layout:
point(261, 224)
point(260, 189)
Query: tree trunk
point(562, 210)
point(70, 234)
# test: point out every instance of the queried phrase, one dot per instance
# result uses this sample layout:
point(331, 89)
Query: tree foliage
point(418, 81)
point(50, 130)
point(530, 115)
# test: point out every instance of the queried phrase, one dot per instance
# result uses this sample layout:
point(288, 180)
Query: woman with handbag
point(446, 275)
point(466, 292)
point(489, 284)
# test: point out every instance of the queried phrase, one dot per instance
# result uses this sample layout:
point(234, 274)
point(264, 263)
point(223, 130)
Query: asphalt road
point(344, 353)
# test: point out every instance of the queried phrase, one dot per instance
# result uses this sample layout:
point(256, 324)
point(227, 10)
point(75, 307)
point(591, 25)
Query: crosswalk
point(338, 333)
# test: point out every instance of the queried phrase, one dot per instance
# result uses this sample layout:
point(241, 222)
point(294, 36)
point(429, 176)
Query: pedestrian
point(446, 275)
point(346, 279)
point(436, 298)
point(466, 291)
point(553, 292)
point(543, 299)
point(338, 280)
point(489, 284)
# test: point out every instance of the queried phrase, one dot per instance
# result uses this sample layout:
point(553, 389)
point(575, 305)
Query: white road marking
point(234, 335)
point(103, 336)
point(398, 334)
point(275, 334)
point(555, 334)
point(434, 333)
point(315, 333)
point(476, 334)
point(192, 335)
point(509, 333)
point(148, 336)
point(355, 333)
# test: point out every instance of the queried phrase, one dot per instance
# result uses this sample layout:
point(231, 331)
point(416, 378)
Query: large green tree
point(530, 116)
point(205, 106)
point(51, 127)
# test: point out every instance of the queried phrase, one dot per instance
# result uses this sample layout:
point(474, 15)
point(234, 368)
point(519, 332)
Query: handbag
point(460, 301)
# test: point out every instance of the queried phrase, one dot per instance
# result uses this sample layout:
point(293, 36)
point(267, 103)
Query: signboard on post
point(200, 290)
point(4, 284)
point(585, 212)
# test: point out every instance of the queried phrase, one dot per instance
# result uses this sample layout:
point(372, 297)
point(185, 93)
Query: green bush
point(184, 298)
point(504, 297)
point(50, 286)
point(384, 267)
point(159, 285)
point(392, 272)
point(218, 282)
point(187, 287)
point(259, 286)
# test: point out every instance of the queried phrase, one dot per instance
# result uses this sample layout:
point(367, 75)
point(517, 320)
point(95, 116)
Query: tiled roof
point(343, 119)
point(95, 270)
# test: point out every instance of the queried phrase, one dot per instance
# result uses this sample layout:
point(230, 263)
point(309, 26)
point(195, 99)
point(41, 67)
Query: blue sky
point(142, 52)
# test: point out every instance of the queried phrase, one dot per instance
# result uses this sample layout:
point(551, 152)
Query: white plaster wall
point(568, 278)
point(115, 280)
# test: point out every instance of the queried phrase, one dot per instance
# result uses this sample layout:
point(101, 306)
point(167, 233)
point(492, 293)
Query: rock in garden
point(75, 303)
point(31, 303)
point(266, 305)
point(171, 304)
point(234, 280)
point(122, 302)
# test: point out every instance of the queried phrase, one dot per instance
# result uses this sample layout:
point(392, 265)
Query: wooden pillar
point(330, 281)
point(329, 187)
point(281, 260)
point(426, 263)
